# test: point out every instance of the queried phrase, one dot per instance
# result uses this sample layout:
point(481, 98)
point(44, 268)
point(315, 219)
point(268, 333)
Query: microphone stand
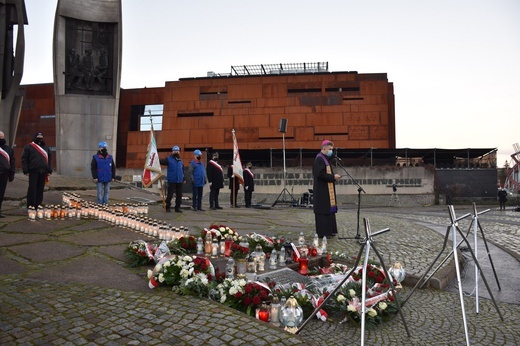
point(360, 189)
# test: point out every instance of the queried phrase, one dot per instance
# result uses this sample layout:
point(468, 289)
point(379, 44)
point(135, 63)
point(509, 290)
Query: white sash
point(216, 165)
point(41, 151)
point(5, 154)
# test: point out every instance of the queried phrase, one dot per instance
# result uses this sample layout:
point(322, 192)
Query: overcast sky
point(455, 65)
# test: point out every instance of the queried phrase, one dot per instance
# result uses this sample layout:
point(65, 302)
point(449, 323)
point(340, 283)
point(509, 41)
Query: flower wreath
point(175, 270)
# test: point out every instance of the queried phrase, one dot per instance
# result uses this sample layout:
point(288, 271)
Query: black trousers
point(177, 189)
point(213, 198)
point(35, 190)
point(3, 184)
point(248, 196)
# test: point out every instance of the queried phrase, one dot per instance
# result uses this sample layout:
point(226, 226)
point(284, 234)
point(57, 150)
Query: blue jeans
point(197, 197)
point(103, 190)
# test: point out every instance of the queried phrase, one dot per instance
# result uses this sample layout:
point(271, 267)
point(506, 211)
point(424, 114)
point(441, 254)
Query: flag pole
point(160, 176)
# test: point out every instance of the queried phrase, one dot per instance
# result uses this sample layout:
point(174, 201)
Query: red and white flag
point(237, 164)
point(152, 167)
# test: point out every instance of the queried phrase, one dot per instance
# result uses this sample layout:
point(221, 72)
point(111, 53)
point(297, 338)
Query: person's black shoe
point(213, 208)
point(194, 209)
point(2, 216)
point(168, 210)
point(218, 207)
point(200, 209)
point(178, 211)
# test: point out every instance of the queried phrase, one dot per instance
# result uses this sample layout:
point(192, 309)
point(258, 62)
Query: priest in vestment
point(325, 203)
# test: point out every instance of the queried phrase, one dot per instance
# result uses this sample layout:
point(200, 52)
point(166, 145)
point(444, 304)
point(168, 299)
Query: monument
point(11, 63)
point(87, 73)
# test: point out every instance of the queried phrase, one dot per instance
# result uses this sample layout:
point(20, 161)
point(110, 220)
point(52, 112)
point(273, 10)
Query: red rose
point(257, 300)
point(246, 301)
point(238, 295)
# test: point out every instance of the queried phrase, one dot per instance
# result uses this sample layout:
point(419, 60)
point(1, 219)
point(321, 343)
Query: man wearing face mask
point(37, 165)
point(103, 171)
point(216, 181)
point(175, 178)
point(198, 179)
point(325, 203)
point(7, 168)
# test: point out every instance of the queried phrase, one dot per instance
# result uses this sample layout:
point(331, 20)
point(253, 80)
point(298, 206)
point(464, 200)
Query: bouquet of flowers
point(267, 243)
point(221, 232)
point(379, 300)
point(139, 253)
point(239, 252)
point(175, 270)
point(188, 243)
point(241, 295)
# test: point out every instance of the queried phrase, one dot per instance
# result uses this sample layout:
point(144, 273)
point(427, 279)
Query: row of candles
point(132, 216)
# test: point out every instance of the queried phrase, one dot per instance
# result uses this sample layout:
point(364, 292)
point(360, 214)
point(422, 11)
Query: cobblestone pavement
point(65, 282)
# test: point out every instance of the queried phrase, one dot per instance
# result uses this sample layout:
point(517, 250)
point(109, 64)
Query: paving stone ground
point(65, 282)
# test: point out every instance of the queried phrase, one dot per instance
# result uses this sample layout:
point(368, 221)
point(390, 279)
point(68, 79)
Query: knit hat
point(197, 152)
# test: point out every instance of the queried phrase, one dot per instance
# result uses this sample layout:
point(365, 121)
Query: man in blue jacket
point(198, 179)
point(175, 178)
point(103, 172)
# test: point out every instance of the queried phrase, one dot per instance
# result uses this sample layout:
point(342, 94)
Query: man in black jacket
point(37, 165)
point(216, 181)
point(7, 168)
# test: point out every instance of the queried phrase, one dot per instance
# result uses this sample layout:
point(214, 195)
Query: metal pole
point(283, 146)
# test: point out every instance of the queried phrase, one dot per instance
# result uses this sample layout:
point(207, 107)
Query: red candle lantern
point(263, 313)
point(304, 265)
point(227, 246)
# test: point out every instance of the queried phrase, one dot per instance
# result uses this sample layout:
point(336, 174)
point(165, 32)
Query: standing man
point(325, 203)
point(103, 171)
point(216, 181)
point(249, 184)
point(198, 179)
point(37, 165)
point(234, 186)
point(175, 177)
point(502, 198)
point(7, 168)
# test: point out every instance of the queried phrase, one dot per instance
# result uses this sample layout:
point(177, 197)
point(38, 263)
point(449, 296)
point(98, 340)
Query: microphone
point(334, 156)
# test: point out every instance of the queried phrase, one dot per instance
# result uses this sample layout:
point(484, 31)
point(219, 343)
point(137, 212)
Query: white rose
point(233, 290)
point(204, 280)
point(187, 259)
point(191, 271)
point(184, 273)
point(371, 312)
point(222, 229)
point(161, 278)
point(351, 308)
point(223, 299)
point(166, 264)
point(340, 298)
point(352, 293)
point(382, 305)
point(218, 234)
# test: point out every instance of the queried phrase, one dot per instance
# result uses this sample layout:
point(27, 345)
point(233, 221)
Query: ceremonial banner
point(152, 167)
point(237, 164)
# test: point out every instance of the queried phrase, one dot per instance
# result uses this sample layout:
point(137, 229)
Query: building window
point(153, 113)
